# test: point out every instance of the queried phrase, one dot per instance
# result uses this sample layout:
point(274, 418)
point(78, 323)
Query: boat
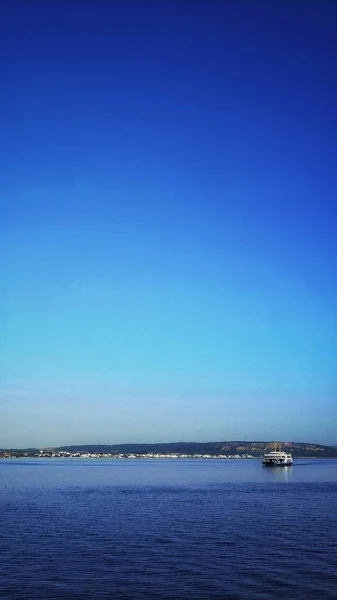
point(277, 458)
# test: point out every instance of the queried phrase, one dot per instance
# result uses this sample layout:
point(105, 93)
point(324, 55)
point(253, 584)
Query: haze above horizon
point(168, 246)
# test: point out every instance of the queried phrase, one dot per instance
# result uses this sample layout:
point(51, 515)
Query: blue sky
point(168, 216)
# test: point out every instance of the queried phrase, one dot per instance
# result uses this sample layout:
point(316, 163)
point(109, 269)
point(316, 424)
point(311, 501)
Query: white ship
point(277, 458)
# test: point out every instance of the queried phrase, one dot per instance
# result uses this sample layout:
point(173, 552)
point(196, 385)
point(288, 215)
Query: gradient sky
point(168, 221)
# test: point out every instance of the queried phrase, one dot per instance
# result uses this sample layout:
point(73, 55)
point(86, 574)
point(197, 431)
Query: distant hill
point(214, 448)
point(256, 449)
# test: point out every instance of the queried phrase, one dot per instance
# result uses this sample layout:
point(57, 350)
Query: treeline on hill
point(214, 448)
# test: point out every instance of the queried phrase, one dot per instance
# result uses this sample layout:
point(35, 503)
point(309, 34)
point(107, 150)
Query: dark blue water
point(174, 529)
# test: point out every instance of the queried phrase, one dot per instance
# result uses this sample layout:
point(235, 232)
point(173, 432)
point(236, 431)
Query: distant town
point(178, 450)
point(64, 454)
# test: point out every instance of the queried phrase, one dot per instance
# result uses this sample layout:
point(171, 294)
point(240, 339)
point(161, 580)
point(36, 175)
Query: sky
point(168, 215)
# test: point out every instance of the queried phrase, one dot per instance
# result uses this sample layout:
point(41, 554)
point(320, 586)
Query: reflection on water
point(281, 473)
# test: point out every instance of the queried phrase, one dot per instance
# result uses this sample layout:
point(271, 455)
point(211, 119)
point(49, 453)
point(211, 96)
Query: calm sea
point(167, 529)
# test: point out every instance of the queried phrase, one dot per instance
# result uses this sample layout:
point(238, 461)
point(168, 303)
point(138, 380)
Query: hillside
point(214, 448)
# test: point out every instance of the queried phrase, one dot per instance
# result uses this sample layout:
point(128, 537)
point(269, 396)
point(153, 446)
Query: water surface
point(167, 529)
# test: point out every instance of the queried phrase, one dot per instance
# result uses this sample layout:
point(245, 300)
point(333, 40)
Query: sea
point(172, 529)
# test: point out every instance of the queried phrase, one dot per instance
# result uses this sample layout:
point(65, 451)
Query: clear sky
point(168, 221)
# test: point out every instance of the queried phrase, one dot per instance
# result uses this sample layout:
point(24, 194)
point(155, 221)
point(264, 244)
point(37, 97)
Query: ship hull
point(276, 464)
